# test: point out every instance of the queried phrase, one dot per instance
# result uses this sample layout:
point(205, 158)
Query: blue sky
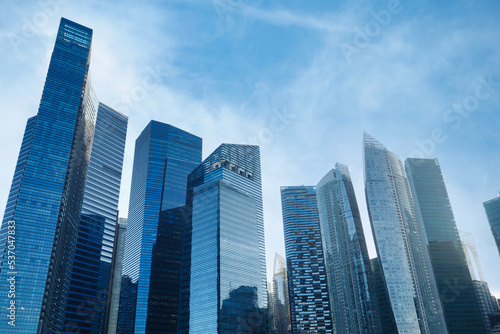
point(302, 80)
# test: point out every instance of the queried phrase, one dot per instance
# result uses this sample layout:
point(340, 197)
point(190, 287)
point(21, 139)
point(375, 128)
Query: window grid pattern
point(310, 310)
point(50, 193)
point(401, 243)
point(350, 281)
point(433, 208)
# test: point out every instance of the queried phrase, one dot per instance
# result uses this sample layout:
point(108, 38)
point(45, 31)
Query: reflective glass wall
point(350, 281)
point(433, 208)
point(47, 191)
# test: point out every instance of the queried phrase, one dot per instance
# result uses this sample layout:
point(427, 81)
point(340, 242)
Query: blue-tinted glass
point(350, 282)
point(492, 208)
point(116, 279)
point(401, 243)
point(47, 207)
point(89, 291)
point(310, 310)
point(383, 300)
point(163, 157)
point(433, 207)
point(487, 305)
point(227, 285)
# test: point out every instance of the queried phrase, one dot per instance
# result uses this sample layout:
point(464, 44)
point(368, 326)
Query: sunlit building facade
point(401, 243)
point(350, 281)
point(227, 282)
point(280, 319)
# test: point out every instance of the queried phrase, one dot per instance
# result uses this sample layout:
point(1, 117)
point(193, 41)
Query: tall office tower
point(116, 278)
point(401, 243)
point(471, 255)
point(163, 157)
point(228, 288)
point(387, 320)
point(271, 309)
point(487, 304)
point(90, 279)
point(310, 310)
point(279, 296)
point(42, 216)
point(492, 208)
point(350, 283)
point(433, 208)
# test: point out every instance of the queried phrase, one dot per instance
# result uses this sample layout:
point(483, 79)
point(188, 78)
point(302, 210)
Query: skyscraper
point(280, 302)
point(387, 320)
point(90, 278)
point(350, 282)
point(492, 208)
point(164, 156)
point(487, 305)
point(228, 288)
point(307, 284)
point(433, 208)
point(116, 279)
point(42, 217)
point(401, 243)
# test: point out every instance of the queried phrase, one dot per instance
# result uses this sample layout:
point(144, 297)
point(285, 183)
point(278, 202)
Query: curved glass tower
point(401, 243)
point(350, 283)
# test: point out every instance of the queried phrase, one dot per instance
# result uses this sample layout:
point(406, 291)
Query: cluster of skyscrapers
point(190, 256)
point(420, 281)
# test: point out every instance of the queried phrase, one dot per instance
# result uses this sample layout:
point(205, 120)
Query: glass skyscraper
point(40, 228)
point(433, 208)
point(280, 319)
point(350, 282)
point(401, 243)
point(310, 310)
point(487, 305)
point(228, 289)
point(116, 279)
point(89, 290)
point(164, 156)
point(387, 320)
point(492, 208)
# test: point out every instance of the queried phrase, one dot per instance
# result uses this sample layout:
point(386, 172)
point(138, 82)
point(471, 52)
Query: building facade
point(350, 281)
point(433, 208)
point(401, 243)
point(310, 310)
point(227, 282)
point(487, 304)
point(492, 208)
point(42, 216)
point(387, 320)
point(280, 306)
point(164, 155)
point(116, 278)
point(89, 291)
